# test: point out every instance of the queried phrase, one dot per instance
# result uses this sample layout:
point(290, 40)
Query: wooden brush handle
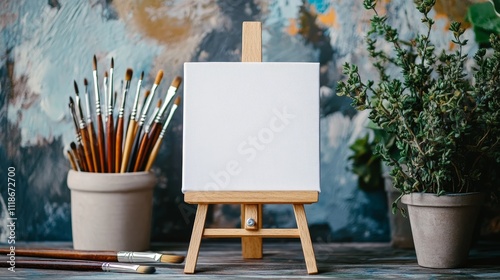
point(154, 153)
point(56, 264)
point(86, 149)
point(72, 161)
point(93, 145)
point(142, 152)
point(81, 157)
point(135, 148)
point(110, 140)
point(118, 145)
point(105, 256)
point(152, 137)
point(101, 144)
point(129, 141)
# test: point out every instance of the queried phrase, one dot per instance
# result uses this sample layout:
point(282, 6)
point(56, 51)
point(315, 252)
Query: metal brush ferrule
point(82, 124)
point(110, 110)
point(78, 138)
point(136, 100)
point(162, 132)
point(120, 113)
point(138, 257)
point(118, 267)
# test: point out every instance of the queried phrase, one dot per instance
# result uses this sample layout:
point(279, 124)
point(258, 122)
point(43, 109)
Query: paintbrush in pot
point(156, 147)
point(72, 160)
point(132, 118)
point(129, 142)
point(90, 128)
point(76, 117)
point(105, 256)
point(156, 127)
point(77, 155)
point(101, 160)
point(105, 90)
point(110, 124)
point(130, 133)
point(81, 266)
point(135, 146)
point(119, 124)
point(82, 137)
point(79, 148)
point(143, 144)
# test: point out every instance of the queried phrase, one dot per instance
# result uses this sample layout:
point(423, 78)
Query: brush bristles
point(146, 269)
point(147, 94)
point(177, 101)
point(176, 82)
point(105, 74)
point(71, 102)
point(159, 76)
point(94, 63)
point(171, 259)
point(142, 75)
point(159, 103)
point(76, 87)
point(72, 145)
point(85, 82)
point(112, 63)
point(128, 74)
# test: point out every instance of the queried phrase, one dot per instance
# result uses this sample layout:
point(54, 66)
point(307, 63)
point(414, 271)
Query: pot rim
point(110, 182)
point(445, 200)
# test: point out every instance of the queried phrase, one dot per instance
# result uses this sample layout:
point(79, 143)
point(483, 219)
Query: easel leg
point(305, 238)
point(251, 247)
point(194, 244)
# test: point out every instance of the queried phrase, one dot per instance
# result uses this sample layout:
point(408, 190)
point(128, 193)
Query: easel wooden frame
point(251, 201)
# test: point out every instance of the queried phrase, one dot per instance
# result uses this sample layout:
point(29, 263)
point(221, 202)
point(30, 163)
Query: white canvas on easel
point(251, 127)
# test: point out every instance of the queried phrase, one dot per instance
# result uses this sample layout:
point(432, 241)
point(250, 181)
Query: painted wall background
point(45, 45)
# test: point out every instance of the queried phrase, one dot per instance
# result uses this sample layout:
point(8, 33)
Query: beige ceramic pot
point(111, 211)
point(442, 227)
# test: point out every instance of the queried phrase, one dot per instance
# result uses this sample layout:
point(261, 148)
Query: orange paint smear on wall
point(164, 28)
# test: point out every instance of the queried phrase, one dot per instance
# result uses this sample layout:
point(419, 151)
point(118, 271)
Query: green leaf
point(483, 15)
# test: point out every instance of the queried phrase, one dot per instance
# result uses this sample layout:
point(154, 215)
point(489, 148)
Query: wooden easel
point(251, 202)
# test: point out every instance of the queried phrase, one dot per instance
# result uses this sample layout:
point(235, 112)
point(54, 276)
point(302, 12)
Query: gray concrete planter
point(442, 227)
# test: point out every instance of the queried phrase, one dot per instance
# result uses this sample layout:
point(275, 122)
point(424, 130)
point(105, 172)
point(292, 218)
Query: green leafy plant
point(485, 19)
point(446, 119)
point(366, 163)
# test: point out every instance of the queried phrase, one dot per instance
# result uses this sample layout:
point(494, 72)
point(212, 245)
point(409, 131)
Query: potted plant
point(446, 120)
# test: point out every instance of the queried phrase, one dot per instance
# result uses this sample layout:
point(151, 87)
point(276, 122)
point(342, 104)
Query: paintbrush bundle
point(117, 143)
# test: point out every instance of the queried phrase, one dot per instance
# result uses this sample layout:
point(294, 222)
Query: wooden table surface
point(284, 260)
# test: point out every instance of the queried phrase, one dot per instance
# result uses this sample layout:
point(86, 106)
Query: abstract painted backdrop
point(46, 44)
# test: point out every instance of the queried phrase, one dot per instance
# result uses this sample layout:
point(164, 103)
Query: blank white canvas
point(251, 127)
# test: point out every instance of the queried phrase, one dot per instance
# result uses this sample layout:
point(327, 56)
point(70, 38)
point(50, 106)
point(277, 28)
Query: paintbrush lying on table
point(107, 256)
point(81, 266)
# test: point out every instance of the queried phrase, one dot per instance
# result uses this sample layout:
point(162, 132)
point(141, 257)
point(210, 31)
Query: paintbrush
point(119, 125)
point(156, 127)
point(105, 90)
point(72, 160)
point(81, 266)
point(129, 141)
point(82, 137)
point(90, 128)
point(105, 256)
point(132, 116)
point(77, 154)
point(141, 154)
point(156, 148)
point(101, 160)
point(110, 135)
point(145, 108)
point(81, 152)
